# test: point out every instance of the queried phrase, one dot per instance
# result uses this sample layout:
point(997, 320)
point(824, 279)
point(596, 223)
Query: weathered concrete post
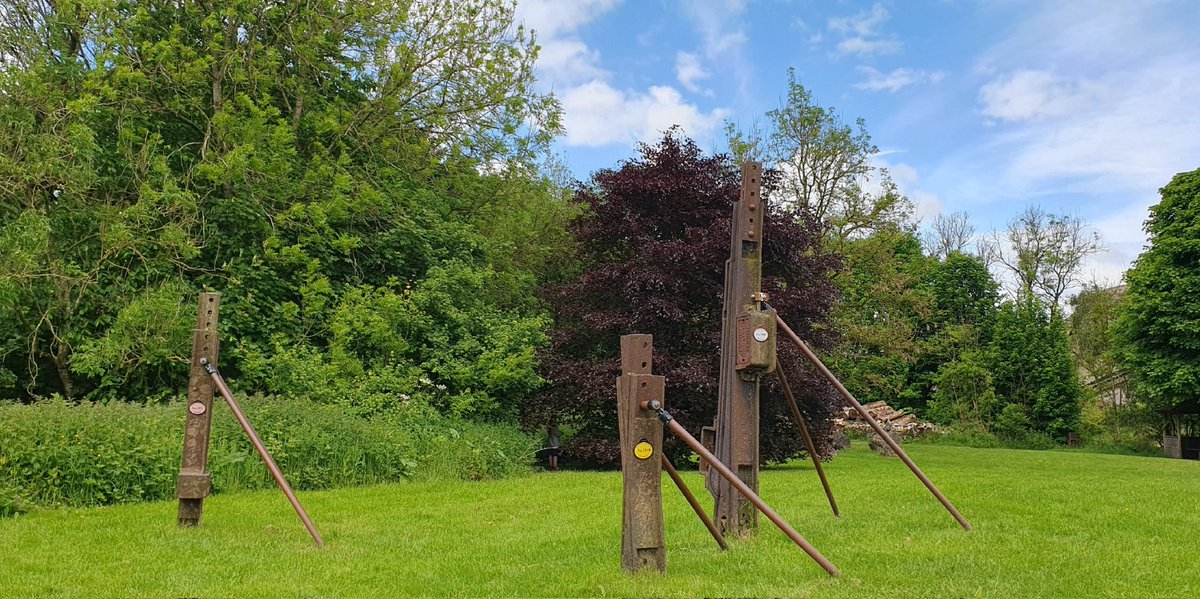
point(643, 544)
point(747, 352)
point(194, 481)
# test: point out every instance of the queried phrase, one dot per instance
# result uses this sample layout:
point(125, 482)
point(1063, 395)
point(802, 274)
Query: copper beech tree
point(652, 246)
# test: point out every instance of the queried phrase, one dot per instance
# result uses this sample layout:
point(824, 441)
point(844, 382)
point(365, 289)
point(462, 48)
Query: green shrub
point(317, 446)
point(1132, 428)
point(57, 453)
point(470, 450)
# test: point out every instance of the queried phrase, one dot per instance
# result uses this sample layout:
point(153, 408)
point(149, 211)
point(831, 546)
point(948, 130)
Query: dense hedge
point(57, 453)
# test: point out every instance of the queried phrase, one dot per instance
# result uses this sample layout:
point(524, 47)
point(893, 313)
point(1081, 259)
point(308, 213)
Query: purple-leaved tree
point(653, 244)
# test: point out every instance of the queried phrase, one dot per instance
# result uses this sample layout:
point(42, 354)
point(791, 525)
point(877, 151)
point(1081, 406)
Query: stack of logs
point(899, 424)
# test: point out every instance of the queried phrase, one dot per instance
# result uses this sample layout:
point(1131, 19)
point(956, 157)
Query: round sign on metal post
point(197, 408)
point(643, 450)
point(761, 334)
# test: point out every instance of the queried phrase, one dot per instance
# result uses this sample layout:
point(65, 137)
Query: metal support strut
point(858, 407)
point(808, 442)
point(741, 487)
point(219, 382)
point(691, 499)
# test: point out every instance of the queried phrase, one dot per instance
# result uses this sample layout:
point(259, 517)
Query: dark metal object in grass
point(750, 495)
point(691, 499)
point(812, 449)
point(833, 380)
point(219, 381)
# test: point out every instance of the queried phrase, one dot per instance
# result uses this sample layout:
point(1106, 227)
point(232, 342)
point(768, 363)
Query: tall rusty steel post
point(195, 482)
point(747, 352)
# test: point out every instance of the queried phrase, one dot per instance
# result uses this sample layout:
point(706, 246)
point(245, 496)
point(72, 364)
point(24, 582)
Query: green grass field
point(1047, 524)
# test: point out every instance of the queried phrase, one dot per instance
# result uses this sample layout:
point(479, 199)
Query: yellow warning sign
point(643, 450)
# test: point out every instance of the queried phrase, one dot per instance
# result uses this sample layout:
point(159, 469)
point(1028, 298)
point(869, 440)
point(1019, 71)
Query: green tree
point(1031, 367)
point(296, 156)
point(1159, 328)
point(1044, 252)
point(1091, 327)
point(825, 166)
point(881, 317)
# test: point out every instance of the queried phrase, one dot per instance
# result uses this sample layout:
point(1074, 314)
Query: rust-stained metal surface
point(808, 442)
point(745, 491)
point(643, 544)
point(692, 501)
point(858, 407)
point(195, 482)
point(223, 389)
point(737, 436)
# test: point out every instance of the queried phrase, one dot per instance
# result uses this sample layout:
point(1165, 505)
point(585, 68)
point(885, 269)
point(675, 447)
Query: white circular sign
point(760, 334)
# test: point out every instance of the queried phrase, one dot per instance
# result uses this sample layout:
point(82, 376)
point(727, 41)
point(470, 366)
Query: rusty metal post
point(643, 544)
point(808, 442)
point(195, 482)
point(751, 497)
point(691, 499)
point(219, 382)
point(833, 380)
point(743, 360)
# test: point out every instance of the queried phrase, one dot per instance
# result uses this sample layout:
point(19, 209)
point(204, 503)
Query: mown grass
point(1047, 524)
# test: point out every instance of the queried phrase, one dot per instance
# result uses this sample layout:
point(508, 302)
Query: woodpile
point(900, 424)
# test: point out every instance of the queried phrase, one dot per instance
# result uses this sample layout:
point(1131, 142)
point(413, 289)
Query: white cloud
point(597, 114)
point(1090, 108)
point(719, 25)
point(865, 23)
point(565, 61)
point(1033, 94)
point(861, 33)
point(897, 79)
point(552, 18)
point(859, 45)
point(689, 70)
point(564, 58)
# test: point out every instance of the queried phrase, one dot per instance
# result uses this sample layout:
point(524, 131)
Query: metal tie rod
point(691, 499)
point(858, 407)
point(808, 441)
point(746, 492)
point(219, 381)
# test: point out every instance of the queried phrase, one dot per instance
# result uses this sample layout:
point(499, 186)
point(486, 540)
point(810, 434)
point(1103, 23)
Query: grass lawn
point(1047, 524)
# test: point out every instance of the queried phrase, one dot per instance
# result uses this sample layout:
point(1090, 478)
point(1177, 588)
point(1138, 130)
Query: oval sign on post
point(761, 334)
point(196, 408)
point(643, 450)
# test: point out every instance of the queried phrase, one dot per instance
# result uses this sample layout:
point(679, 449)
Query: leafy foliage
point(1159, 328)
point(653, 245)
point(356, 178)
point(84, 454)
point(1032, 369)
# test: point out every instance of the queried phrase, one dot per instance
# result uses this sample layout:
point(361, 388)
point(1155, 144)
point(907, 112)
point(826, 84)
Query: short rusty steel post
point(277, 474)
point(808, 442)
point(643, 544)
point(195, 482)
point(691, 499)
point(751, 497)
point(744, 359)
point(858, 407)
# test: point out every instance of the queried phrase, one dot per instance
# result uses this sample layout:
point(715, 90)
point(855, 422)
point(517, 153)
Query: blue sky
point(1083, 107)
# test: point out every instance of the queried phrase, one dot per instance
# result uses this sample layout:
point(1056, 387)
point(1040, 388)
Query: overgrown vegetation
point(56, 453)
